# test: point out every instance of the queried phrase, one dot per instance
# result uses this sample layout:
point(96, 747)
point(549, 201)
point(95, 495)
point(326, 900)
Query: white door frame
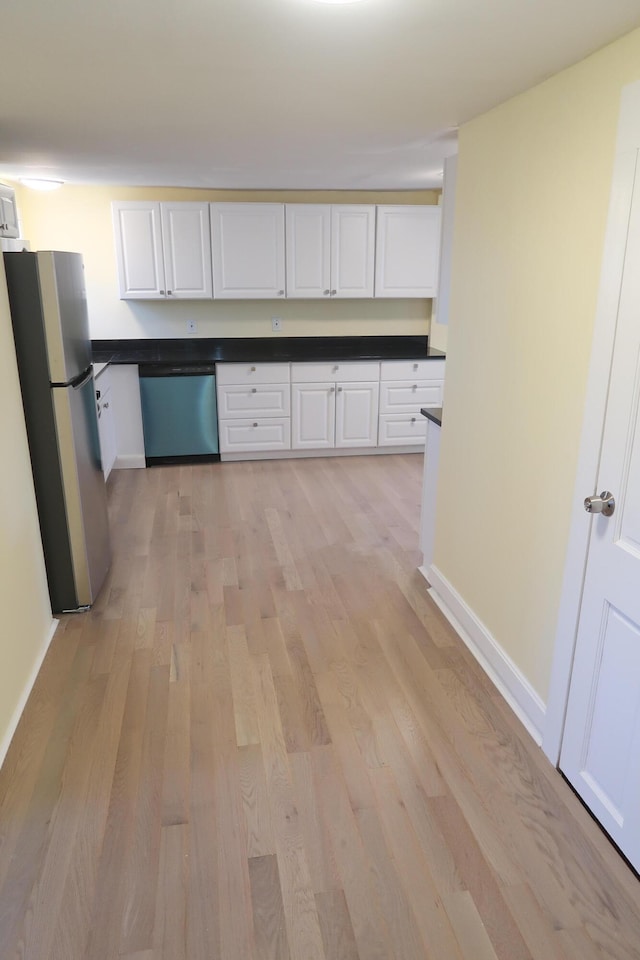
point(624, 173)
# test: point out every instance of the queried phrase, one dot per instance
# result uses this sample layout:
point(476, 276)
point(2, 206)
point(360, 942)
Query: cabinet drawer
point(252, 372)
point(270, 433)
point(405, 397)
point(401, 429)
point(263, 400)
point(412, 370)
point(350, 371)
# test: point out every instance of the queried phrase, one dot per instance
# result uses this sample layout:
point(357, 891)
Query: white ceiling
point(271, 93)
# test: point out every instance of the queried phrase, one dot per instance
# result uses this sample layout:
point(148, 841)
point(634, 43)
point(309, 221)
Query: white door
point(407, 251)
point(313, 415)
point(138, 237)
point(186, 241)
point(308, 231)
point(247, 241)
point(357, 414)
point(353, 237)
point(601, 744)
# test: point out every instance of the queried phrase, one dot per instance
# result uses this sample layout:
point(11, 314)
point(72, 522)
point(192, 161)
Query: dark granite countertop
point(432, 413)
point(263, 349)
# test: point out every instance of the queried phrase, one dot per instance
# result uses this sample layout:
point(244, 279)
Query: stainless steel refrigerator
point(53, 348)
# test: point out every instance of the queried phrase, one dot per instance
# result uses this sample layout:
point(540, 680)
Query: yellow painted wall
point(24, 598)
point(79, 218)
point(532, 195)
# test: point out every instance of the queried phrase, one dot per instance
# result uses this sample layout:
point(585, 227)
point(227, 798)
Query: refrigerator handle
point(82, 379)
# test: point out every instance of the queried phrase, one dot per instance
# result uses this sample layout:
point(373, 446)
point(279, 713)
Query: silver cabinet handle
point(254, 389)
point(413, 419)
point(162, 293)
point(253, 369)
point(415, 366)
point(415, 386)
point(332, 389)
point(336, 368)
point(281, 293)
point(339, 389)
point(326, 292)
point(255, 424)
point(168, 293)
point(333, 293)
point(604, 504)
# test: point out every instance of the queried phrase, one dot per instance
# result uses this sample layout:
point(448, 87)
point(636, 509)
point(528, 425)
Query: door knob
point(604, 504)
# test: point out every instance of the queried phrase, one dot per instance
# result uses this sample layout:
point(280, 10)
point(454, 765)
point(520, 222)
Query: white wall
point(24, 597)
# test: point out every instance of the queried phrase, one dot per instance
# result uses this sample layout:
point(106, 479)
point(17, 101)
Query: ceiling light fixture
point(35, 184)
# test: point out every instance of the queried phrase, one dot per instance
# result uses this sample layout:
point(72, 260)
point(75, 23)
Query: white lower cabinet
point(320, 405)
point(254, 407)
point(357, 414)
point(334, 405)
point(405, 387)
point(313, 415)
point(106, 422)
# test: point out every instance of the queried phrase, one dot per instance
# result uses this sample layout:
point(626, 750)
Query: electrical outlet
point(276, 324)
point(192, 326)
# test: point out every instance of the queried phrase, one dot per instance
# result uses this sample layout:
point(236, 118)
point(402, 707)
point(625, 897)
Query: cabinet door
point(313, 414)
point(8, 213)
point(357, 414)
point(247, 240)
point(352, 250)
point(186, 243)
point(138, 237)
point(407, 251)
point(106, 427)
point(308, 229)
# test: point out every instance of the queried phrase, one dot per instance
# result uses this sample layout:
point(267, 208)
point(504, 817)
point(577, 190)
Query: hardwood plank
point(335, 923)
point(268, 912)
point(255, 802)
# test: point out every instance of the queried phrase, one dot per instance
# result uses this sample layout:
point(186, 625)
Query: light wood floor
point(265, 743)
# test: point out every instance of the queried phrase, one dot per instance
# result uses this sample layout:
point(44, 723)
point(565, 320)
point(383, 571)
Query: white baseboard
point(328, 452)
point(499, 667)
point(129, 461)
point(24, 696)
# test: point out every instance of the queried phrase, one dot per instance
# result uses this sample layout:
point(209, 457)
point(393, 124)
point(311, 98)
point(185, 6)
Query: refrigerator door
point(83, 486)
point(64, 311)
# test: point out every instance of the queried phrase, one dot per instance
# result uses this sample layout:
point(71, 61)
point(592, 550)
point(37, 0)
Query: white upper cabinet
point(407, 251)
point(8, 212)
point(186, 243)
point(353, 237)
point(247, 241)
point(330, 250)
point(308, 227)
point(163, 250)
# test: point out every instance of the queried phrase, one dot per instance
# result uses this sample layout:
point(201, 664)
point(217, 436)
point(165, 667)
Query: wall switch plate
point(192, 326)
point(276, 324)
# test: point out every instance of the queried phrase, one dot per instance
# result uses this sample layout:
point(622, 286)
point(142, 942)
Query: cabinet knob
point(332, 389)
point(106, 405)
point(326, 292)
point(415, 366)
point(281, 293)
point(253, 369)
point(254, 389)
point(339, 389)
point(336, 368)
point(168, 293)
point(162, 293)
point(413, 419)
point(255, 424)
point(333, 293)
point(415, 386)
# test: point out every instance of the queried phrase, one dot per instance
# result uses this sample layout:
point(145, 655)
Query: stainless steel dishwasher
point(179, 413)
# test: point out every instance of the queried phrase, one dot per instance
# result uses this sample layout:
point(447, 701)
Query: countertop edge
point(432, 413)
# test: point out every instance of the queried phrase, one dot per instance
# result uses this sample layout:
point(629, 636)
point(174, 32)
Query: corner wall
point(24, 597)
point(534, 177)
point(79, 218)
